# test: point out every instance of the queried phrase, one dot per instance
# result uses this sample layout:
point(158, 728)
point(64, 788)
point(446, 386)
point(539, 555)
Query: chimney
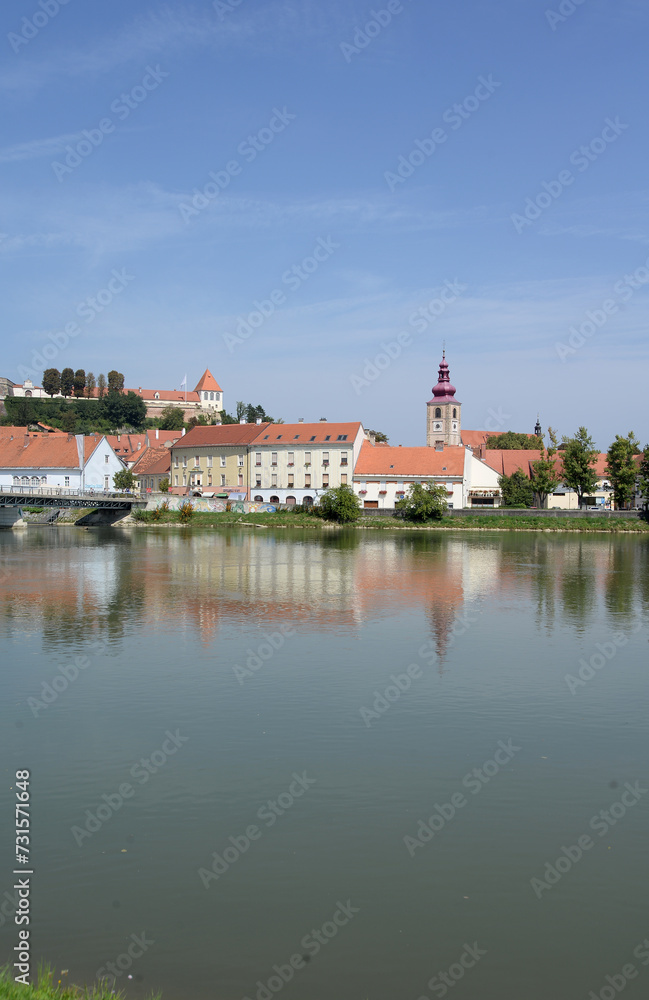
point(119, 437)
point(140, 389)
point(323, 420)
point(243, 421)
point(183, 432)
point(157, 433)
point(258, 420)
point(483, 452)
point(26, 440)
point(371, 437)
point(139, 445)
point(300, 420)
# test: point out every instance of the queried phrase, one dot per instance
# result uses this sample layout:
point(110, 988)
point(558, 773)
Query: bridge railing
point(64, 491)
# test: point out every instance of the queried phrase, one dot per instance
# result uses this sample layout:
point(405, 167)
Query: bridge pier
point(11, 517)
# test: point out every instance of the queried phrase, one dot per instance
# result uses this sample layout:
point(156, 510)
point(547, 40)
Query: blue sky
point(335, 97)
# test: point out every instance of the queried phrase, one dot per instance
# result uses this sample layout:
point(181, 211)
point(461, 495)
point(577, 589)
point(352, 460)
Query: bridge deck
point(45, 496)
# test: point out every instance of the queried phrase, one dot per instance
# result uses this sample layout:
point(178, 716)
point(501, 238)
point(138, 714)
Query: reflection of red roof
point(299, 434)
point(391, 461)
point(207, 381)
point(152, 461)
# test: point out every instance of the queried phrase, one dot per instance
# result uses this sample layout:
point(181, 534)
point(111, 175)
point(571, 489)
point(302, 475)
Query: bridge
point(13, 498)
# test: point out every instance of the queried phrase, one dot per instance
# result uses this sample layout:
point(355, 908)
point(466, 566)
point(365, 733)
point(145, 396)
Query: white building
point(70, 461)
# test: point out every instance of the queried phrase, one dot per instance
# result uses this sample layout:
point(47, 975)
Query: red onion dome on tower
point(444, 392)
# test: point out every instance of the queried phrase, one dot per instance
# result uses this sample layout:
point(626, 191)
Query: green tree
point(172, 418)
point(67, 382)
point(164, 485)
point(578, 457)
point(124, 480)
point(79, 382)
point(69, 421)
point(643, 477)
point(545, 478)
point(91, 385)
point(52, 381)
point(510, 440)
point(379, 436)
point(115, 381)
point(340, 504)
point(133, 410)
point(622, 469)
point(101, 385)
point(428, 502)
point(517, 490)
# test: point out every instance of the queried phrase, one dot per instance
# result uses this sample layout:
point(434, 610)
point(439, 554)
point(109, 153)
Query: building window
point(454, 412)
point(222, 480)
point(184, 461)
point(209, 461)
point(273, 458)
point(105, 459)
point(291, 481)
point(16, 480)
point(222, 461)
point(66, 481)
point(35, 481)
point(175, 480)
point(240, 479)
point(258, 499)
point(343, 458)
point(258, 482)
point(325, 458)
point(274, 499)
point(197, 460)
point(343, 478)
point(438, 411)
point(209, 480)
point(257, 458)
point(307, 480)
point(273, 479)
point(156, 395)
point(342, 437)
point(43, 480)
point(184, 479)
point(325, 480)
point(206, 395)
point(291, 458)
point(176, 461)
point(239, 459)
point(307, 458)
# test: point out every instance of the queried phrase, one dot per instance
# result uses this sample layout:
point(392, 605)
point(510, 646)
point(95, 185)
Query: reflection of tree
point(578, 586)
point(543, 583)
point(342, 539)
point(442, 617)
point(620, 581)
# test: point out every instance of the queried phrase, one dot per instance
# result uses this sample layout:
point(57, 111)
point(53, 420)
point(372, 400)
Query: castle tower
point(443, 424)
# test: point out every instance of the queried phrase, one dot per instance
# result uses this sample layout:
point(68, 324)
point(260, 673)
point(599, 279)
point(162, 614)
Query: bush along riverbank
point(49, 986)
point(297, 517)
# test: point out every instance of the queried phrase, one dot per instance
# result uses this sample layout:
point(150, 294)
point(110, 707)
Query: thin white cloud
point(37, 148)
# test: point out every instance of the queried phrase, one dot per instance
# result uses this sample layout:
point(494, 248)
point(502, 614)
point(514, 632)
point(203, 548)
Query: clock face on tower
point(437, 427)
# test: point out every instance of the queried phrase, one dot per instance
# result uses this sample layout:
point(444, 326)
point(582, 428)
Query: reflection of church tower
point(443, 420)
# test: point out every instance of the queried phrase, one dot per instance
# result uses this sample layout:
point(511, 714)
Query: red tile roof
point(128, 445)
point(221, 435)
point(299, 434)
point(391, 461)
point(155, 438)
point(207, 381)
point(43, 451)
point(152, 461)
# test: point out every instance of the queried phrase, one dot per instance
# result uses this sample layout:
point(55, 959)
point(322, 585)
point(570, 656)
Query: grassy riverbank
point(49, 987)
point(476, 522)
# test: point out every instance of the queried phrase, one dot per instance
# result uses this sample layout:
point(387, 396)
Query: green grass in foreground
point(51, 987)
point(474, 522)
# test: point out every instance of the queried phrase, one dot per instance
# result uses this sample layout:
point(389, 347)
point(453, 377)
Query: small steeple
point(538, 430)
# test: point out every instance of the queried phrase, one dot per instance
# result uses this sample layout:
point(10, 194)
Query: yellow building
point(214, 459)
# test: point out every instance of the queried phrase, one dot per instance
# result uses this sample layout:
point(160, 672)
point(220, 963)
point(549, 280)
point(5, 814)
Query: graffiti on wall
point(210, 506)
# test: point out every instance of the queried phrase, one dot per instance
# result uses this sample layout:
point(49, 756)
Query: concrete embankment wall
point(511, 512)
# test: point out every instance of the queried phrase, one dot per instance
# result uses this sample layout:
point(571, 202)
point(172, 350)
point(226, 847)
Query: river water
point(330, 766)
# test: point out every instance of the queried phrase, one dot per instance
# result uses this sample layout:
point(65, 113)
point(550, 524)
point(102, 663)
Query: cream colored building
point(214, 459)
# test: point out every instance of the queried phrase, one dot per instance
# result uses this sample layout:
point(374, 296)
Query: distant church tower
point(443, 420)
point(538, 430)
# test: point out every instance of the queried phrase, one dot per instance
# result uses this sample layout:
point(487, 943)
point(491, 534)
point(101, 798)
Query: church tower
point(443, 424)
